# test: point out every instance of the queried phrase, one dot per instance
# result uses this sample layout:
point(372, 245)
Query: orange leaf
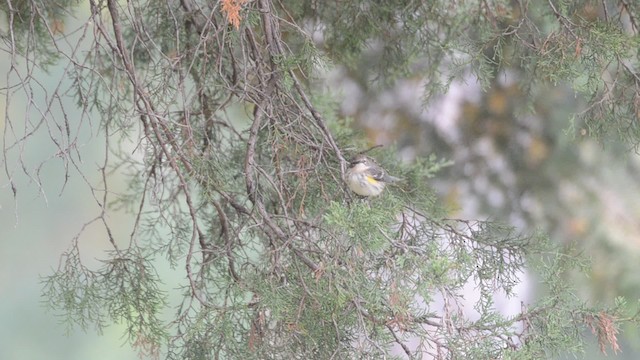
point(232, 9)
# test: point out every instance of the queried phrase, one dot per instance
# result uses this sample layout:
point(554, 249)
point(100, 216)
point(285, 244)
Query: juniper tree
point(235, 179)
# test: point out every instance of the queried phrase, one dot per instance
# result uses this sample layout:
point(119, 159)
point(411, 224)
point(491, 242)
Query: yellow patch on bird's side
point(372, 180)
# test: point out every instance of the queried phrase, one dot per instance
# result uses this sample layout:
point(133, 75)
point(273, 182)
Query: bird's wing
point(378, 174)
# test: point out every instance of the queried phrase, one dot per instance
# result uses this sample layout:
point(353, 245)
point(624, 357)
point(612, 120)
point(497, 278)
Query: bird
point(366, 178)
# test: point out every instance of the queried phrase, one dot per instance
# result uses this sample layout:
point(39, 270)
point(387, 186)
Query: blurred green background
point(36, 227)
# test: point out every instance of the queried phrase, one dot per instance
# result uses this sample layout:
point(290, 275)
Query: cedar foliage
point(236, 176)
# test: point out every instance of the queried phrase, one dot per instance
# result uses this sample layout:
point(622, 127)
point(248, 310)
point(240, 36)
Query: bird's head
point(360, 159)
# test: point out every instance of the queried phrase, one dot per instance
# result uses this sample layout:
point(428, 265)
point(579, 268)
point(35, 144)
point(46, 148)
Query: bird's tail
point(390, 179)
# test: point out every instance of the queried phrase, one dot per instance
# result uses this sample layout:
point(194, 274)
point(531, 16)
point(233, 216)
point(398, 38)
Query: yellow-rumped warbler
point(366, 178)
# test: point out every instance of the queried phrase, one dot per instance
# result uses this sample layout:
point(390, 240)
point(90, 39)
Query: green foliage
point(126, 290)
point(33, 27)
point(238, 183)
